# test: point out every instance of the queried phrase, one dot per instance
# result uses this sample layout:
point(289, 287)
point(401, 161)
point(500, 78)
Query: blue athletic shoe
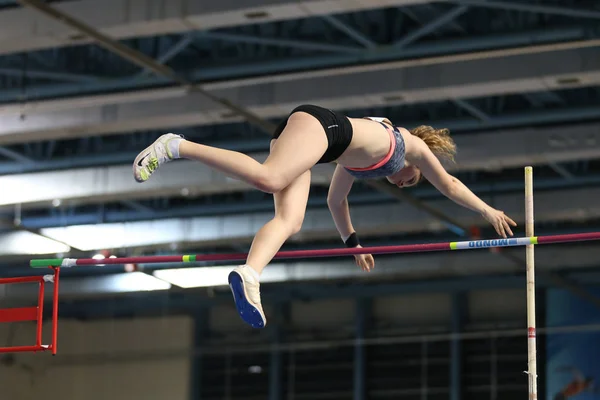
point(245, 288)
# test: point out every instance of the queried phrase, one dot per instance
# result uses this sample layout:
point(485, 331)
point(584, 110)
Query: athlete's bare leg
point(299, 147)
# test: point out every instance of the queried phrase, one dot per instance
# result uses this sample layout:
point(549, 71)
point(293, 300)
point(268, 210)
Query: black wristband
point(352, 240)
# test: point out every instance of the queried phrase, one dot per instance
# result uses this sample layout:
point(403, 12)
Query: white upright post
point(530, 265)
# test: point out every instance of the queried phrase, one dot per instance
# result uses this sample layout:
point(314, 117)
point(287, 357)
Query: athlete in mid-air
point(361, 148)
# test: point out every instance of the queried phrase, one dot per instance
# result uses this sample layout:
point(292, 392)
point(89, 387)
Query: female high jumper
point(361, 148)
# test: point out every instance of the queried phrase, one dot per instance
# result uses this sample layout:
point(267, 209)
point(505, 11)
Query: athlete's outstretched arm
point(455, 190)
point(337, 201)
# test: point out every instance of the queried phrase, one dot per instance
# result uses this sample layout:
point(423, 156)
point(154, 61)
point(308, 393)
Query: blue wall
point(571, 353)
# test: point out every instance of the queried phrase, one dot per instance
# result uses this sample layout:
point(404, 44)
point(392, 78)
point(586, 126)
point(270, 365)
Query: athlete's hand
point(365, 261)
point(500, 221)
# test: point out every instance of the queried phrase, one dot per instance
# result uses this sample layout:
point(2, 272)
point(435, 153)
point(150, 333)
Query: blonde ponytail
point(438, 140)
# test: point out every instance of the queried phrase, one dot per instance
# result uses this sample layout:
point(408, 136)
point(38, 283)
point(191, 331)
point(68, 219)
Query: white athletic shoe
point(246, 294)
point(153, 156)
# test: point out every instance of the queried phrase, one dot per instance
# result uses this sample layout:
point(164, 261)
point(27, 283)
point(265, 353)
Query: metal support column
point(200, 332)
point(363, 308)
point(459, 305)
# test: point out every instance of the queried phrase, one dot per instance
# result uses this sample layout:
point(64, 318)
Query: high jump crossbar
point(410, 248)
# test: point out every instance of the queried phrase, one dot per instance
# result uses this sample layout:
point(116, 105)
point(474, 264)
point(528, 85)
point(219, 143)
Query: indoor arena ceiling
point(517, 82)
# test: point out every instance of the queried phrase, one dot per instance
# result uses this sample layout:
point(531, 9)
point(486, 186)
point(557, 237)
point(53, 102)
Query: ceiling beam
point(142, 60)
point(424, 53)
point(24, 31)
point(369, 86)
point(488, 151)
point(532, 8)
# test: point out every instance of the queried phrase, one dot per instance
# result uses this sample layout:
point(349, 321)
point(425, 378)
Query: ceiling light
point(255, 369)
point(130, 282)
point(195, 277)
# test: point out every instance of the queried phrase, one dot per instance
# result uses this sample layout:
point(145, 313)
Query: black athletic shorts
point(338, 130)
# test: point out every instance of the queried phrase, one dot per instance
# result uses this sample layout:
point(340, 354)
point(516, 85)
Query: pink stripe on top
point(385, 159)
